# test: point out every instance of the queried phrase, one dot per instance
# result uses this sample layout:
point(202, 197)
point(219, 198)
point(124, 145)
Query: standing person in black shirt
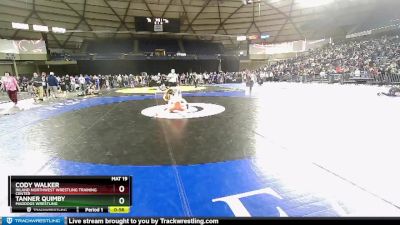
point(102, 81)
point(24, 83)
point(67, 81)
point(52, 85)
point(63, 86)
point(250, 81)
point(37, 86)
point(193, 79)
point(260, 81)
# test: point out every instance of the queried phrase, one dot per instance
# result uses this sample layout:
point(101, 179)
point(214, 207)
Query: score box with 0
point(122, 188)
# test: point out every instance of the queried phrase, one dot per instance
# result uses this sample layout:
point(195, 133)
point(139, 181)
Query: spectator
point(52, 84)
point(10, 85)
point(82, 84)
point(37, 86)
point(73, 83)
point(63, 86)
point(44, 84)
point(67, 81)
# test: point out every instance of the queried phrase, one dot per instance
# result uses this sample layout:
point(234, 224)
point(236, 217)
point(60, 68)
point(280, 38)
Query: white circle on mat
point(196, 110)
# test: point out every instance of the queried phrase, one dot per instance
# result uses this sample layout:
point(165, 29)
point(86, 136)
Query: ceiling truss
point(215, 20)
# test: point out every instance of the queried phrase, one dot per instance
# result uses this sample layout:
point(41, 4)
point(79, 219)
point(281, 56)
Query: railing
point(388, 79)
point(134, 56)
point(343, 78)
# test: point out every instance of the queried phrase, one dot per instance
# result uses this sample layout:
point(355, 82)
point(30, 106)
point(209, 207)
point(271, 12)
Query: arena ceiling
point(217, 20)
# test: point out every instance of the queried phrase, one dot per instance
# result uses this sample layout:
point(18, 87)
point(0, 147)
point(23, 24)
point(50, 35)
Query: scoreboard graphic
point(70, 194)
point(157, 24)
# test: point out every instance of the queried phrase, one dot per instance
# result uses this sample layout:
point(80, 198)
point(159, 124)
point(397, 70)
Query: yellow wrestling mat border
point(153, 90)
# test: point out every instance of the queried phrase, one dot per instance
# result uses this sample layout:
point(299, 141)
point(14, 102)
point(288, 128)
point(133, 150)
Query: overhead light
point(253, 37)
point(313, 3)
point(58, 30)
point(40, 28)
point(264, 36)
point(246, 2)
point(21, 26)
point(241, 38)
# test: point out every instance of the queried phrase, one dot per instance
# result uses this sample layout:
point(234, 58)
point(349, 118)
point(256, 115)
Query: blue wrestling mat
point(206, 171)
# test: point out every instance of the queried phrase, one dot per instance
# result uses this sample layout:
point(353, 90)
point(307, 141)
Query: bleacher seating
point(367, 60)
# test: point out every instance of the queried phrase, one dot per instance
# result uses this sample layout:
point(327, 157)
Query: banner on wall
point(286, 47)
point(22, 47)
point(272, 49)
point(7, 46)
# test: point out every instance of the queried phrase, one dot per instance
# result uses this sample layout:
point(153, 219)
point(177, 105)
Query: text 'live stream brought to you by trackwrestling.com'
point(140, 221)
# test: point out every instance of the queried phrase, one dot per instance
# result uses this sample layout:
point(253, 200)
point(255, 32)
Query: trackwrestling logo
point(33, 220)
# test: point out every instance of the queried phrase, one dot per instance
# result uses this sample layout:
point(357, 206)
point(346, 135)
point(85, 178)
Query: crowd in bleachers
point(374, 58)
